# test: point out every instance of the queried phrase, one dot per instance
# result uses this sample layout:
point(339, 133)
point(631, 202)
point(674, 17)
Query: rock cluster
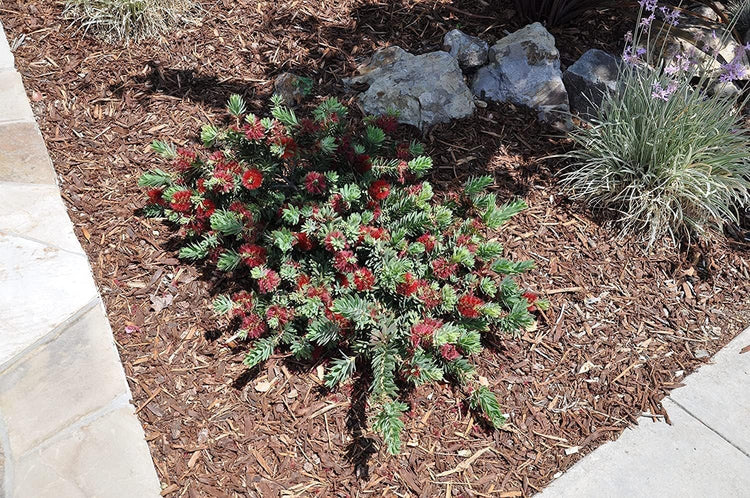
point(522, 68)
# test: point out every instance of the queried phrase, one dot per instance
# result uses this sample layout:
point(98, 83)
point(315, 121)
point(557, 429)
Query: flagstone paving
point(67, 425)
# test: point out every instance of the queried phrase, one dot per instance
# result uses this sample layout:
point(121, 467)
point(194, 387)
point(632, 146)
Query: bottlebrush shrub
point(337, 249)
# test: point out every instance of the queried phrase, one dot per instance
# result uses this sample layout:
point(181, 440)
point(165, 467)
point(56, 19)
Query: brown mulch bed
point(624, 327)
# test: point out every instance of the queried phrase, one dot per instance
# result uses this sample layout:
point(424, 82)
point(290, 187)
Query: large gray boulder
point(424, 89)
point(586, 81)
point(469, 51)
point(524, 69)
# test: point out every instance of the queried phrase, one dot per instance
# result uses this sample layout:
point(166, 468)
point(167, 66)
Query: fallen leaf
point(86, 234)
point(745, 349)
point(158, 303)
point(263, 386)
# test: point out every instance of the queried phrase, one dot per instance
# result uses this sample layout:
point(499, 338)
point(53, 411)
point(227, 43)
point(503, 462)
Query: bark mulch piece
point(624, 327)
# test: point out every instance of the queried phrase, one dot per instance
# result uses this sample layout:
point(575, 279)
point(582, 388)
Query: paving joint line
point(683, 408)
point(42, 242)
point(53, 334)
point(122, 400)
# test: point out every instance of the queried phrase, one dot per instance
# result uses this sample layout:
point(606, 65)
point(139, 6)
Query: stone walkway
point(67, 427)
point(704, 453)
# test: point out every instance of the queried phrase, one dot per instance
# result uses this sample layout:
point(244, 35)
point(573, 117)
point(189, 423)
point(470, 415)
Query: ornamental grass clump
point(667, 154)
point(339, 253)
point(135, 20)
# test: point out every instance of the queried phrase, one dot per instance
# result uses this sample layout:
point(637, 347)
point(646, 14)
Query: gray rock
point(469, 51)
point(586, 81)
point(424, 89)
point(292, 88)
point(725, 89)
point(524, 69)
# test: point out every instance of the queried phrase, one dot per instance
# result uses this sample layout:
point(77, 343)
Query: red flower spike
point(315, 183)
point(364, 279)
point(379, 189)
point(269, 281)
point(181, 201)
point(428, 241)
point(253, 255)
point(409, 286)
point(252, 179)
point(449, 352)
point(468, 305)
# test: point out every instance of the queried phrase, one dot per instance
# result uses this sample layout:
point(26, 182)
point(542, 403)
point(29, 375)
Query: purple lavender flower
point(646, 21)
point(732, 71)
point(659, 92)
point(648, 5)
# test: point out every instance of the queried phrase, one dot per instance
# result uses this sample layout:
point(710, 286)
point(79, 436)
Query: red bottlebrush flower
point(253, 255)
point(342, 280)
point(309, 126)
point(443, 269)
point(414, 189)
point(254, 325)
point(422, 332)
point(185, 159)
point(217, 157)
point(377, 233)
point(303, 241)
point(315, 183)
point(241, 209)
point(362, 163)
point(205, 209)
point(477, 225)
point(430, 297)
point(233, 167)
point(531, 297)
point(254, 130)
point(449, 352)
point(335, 241)
point(155, 196)
point(468, 305)
point(290, 147)
point(388, 124)
point(409, 286)
point(345, 261)
point(243, 299)
point(225, 181)
point(283, 315)
point(428, 241)
point(364, 279)
point(269, 281)
point(181, 201)
point(200, 185)
point(403, 151)
point(302, 281)
point(465, 241)
point(252, 179)
point(338, 204)
point(379, 189)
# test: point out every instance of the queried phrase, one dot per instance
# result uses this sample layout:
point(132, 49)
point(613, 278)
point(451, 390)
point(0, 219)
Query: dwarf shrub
point(666, 153)
point(117, 20)
point(338, 251)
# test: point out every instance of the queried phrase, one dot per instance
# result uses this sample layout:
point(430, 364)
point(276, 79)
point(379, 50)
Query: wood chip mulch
point(624, 327)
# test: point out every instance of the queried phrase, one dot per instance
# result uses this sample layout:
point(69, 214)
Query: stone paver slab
point(23, 204)
point(684, 460)
point(73, 375)
point(40, 288)
point(106, 458)
point(6, 57)
point(23, 155)
point(14, 106)
point(719, 393)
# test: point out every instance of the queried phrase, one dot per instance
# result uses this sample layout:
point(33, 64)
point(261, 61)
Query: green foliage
point(485, 400)
point(335, 248)
point(388, 422)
